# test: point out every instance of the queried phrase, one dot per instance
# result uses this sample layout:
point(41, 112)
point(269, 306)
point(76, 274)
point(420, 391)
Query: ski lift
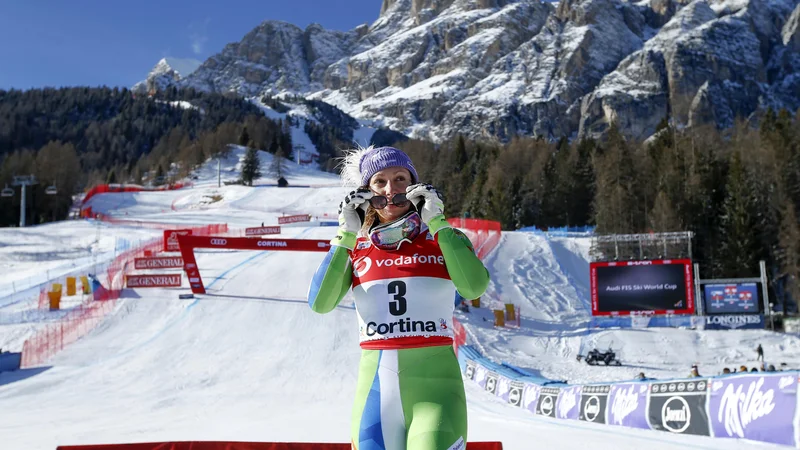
point(51, 190)
point(7, 192)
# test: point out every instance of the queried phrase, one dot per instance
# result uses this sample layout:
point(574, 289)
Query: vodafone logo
point(361, 266)
point(219, 241)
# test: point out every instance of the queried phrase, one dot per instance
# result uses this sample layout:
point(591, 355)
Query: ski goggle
point(380, 201)
point(392, 235)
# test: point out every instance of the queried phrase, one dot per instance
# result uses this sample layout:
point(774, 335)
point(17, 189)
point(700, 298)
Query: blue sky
point(109, 42)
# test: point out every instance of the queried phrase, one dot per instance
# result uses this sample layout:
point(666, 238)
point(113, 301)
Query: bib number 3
point(398, 304)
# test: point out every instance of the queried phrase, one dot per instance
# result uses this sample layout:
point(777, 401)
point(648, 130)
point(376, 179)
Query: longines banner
point(148, 281)
point(593, 403)
point(158, 262)
point(734, 321)
point(679, 407)
point(754, 407)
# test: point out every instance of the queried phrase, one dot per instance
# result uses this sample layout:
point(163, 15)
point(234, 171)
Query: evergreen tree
point(738, 240)
point(788, 256)
point(244, 137)
point(251, 167)
point(278, 167)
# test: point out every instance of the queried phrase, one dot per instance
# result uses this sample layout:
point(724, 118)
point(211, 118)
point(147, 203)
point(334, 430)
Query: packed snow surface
point(250, 361)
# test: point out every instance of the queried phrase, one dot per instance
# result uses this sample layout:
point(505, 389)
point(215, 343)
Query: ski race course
point(249, 360)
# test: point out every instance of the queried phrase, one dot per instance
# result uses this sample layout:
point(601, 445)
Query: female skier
point(402, 259)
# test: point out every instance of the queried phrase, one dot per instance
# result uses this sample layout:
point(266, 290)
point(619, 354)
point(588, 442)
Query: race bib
point(404, 307)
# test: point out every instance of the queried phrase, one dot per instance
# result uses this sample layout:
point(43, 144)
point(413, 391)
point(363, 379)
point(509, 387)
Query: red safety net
point(484, 234)
point(53, 337)
point(245, 446)
point(108, 188)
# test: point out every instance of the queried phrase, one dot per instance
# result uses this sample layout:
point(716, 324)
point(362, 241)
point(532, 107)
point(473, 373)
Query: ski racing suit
point(410, 394)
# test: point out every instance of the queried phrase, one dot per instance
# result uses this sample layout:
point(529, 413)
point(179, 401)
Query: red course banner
point(294, 219)
point(159, 262)
point(171, 239)
point(189, 243)
point(146, 281)
point(258, 231)
point(213, 445)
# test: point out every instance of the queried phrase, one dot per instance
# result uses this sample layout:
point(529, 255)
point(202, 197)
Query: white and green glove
point(351, 217)
point(429, 204)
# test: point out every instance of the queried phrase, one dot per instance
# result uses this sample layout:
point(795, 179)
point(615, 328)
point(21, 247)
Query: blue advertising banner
point(739, 298)
point(734, 322)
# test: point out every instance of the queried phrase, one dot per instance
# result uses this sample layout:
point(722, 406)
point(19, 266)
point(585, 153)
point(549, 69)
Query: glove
point(428, 202)
point(351, 217)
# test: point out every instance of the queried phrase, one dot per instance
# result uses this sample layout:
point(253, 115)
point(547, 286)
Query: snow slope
point(249, 361)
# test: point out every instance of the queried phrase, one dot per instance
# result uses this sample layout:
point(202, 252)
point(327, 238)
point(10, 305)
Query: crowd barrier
point(755, 406)
point(53, 337)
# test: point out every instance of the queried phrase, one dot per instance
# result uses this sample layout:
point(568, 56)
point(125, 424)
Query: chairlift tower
point(24, 181)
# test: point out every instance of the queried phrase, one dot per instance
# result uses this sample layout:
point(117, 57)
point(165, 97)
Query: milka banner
point(627, 405)
point(754, 407)
point(530, 397)
point(569, 401)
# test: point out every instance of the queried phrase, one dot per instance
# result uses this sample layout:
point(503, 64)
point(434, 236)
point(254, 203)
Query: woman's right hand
point(352, 210)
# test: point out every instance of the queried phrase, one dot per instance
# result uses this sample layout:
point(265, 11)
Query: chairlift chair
point(51, 190)
point(7, 192)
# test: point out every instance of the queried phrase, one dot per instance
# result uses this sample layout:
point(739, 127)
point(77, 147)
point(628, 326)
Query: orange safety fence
point(55, 336)
point(484, 234)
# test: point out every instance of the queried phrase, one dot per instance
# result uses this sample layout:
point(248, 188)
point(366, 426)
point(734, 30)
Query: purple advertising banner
point(503, 386)
point(754, 407)
point(530, 397)
point(480, 375)
point(569, 401)
point(627, 405)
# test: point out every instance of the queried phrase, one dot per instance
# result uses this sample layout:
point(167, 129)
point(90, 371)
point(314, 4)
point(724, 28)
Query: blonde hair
point(369, 219)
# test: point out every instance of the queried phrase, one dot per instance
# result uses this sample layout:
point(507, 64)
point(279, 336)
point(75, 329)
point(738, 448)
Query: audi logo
point(219, 241)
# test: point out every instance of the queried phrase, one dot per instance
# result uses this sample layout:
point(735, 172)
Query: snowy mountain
point(500, 68)
point(167, 72)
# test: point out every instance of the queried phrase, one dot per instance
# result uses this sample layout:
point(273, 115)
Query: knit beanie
point(376, 159)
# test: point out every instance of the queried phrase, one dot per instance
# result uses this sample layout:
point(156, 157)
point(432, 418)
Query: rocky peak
point(498, 68)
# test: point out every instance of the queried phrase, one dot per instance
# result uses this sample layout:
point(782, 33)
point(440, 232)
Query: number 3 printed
point(398, 306)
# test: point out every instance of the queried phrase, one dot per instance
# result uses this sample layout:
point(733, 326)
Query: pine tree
point(251, 167)
point(278, 167)
point(738, 241)
point(244, 137)
point(788, 255)
point(615, 204)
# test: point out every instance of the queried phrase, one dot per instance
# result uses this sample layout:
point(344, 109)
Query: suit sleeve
point(331, 281)
point(466, 270)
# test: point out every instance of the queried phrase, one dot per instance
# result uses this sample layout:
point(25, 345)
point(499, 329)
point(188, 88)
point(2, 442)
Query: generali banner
point(146, 281)
point(294, 219)
point(171, 239)
point(159, 262)
point(258, 231)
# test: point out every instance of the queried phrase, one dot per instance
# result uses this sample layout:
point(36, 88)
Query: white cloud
point(198, 35)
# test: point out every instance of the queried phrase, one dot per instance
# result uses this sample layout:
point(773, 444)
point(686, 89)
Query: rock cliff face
point(500, 68)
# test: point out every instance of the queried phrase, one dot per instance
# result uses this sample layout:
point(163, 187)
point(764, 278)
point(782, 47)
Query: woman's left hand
point(427, 200)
